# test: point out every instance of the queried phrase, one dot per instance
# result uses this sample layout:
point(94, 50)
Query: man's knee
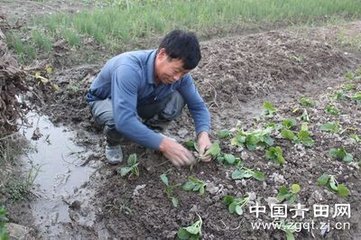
point(173, 108)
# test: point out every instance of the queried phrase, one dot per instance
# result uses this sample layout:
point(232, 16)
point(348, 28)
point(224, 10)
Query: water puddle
point(60, 177)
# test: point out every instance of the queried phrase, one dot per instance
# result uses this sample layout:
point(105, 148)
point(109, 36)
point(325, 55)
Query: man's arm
point(124, 91)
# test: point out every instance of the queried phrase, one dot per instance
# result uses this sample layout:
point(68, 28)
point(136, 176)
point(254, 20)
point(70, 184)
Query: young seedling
point(235, 205)
point(331, 109)
point(242, 173)
point(289, 229)
point(191, 232)
point(289, 195)
point(288, 134)
point(331, 183)
point(194, 184)
point(289, 123)
point(254, 139)
point(228, 159)
point(341, 154)
point(269, 109)
point(224, 134)
point(333, 127)
point(191, 145)
point(131, 168)
point(306, 102)
point(304, 136)
point(169, 189)
point(275, 154)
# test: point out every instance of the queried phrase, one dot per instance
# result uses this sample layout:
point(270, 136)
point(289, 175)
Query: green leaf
point(323, 180)
point(227, 199)
point(125, 170)
point(214, 150)
point(333, 183)
point(164, 179)
point(224, 134)
point(331, 109)
point(258, 175)
point(288, 134)
point(232, 207)
point(348, 158)
point(332, 127)
point(188, 186)
point(289, 123)
point(230, 158)
point(183, 234)
point(132, 159)
point(190, 144)
point(269, 109)
point(195, 228)
point(289, 235)
point(295, 188)
point(175, 201)
point(275, 154)
point(342, 190)
point(305, 138)
point(306, 102)
point(239, 210)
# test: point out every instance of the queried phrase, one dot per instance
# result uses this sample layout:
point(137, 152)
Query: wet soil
point(236, 75)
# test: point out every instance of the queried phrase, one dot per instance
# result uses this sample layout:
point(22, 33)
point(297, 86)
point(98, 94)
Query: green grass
point(121, 24)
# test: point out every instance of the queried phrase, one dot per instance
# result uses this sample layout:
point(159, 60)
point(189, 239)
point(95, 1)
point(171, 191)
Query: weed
point(194, 184)
point(306, 102)
point(332, 109)
point(243, 172)
point(289, 195)
point(235, 205)
point(41, 41)
point(332, 184)
point(192, 232)
point(132, 167)
point(333, 127)
point(275, 154)
point(268, 109)
point(253, 139)
point(341, 154)
point(169, 190)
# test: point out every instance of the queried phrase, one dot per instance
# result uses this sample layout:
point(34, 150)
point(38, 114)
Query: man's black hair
point(182, 45)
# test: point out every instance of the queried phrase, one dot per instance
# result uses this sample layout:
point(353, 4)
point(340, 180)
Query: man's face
point(168, 70)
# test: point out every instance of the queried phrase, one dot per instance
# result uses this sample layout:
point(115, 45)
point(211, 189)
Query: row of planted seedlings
point(296, 130)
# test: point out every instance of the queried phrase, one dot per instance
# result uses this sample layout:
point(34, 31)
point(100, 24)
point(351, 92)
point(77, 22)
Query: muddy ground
point(236, 75)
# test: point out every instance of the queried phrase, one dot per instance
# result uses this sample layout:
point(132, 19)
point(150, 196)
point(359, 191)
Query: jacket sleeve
point(195, 103)
point(126, 82)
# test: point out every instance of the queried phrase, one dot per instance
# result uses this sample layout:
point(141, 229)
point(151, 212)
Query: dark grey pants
point(155, 116)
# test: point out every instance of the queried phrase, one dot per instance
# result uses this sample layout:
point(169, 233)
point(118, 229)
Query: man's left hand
point(204, 143)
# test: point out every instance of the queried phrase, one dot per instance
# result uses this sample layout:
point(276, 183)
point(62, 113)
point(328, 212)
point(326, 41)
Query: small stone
point(271, 200)
point(251, 195)
point(211, 188)
point(137, 188)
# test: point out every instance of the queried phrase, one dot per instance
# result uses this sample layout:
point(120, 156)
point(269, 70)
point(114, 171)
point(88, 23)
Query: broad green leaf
point(195, 228)
point(306, 102)
point(289, 123)
point(230, 158)
point(331, 109)
point(132, 159)
point(188, 186)
point(228, 199)
point(323, 180)
point(288, 134)
point(348, 158)
point(342, 190)
point(269, 109)
point(333, 127)
point(183, 234)
point(224, 134)
point(214, 150)
point(232, 207)
point(305, 138)
point(239, 210)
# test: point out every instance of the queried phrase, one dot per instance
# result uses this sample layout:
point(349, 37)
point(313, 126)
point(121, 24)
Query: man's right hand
point(176, 153)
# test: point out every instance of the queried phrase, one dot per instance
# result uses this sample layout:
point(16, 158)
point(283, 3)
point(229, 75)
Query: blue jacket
point(129, 80)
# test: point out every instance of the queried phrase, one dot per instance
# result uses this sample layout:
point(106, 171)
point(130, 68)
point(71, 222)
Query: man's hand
point(203, 144)
point(176, 153)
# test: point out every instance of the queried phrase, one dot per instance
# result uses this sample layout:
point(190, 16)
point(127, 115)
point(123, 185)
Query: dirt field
point(236, 75)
